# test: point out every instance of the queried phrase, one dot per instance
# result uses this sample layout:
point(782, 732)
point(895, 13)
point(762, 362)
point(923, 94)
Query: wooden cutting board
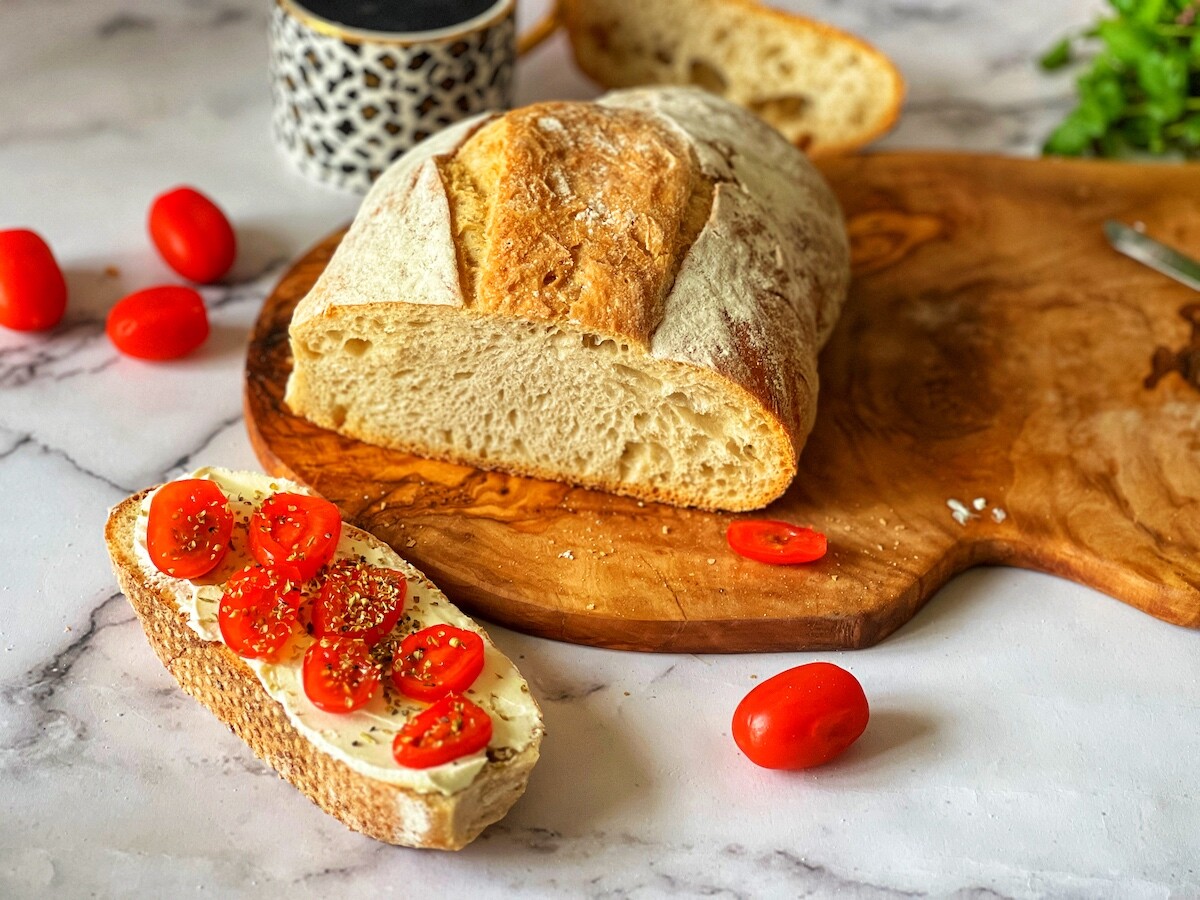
point(994, 352)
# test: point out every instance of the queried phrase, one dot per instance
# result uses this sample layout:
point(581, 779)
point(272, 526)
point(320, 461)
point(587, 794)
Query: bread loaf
point(443, 808)
point(627, 295)
point(827, 91)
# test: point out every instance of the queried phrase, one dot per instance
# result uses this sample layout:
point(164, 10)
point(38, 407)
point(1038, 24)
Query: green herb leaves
point(1141, 89)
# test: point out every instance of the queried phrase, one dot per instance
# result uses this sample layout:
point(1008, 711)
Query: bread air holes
point(781, 110)
point(337, 415)
point(356, 346)
point(705, 75)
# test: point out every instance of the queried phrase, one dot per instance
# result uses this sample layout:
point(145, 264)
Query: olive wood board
point(993, 348)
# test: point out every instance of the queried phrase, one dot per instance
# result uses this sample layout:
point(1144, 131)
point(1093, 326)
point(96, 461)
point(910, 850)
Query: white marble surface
point(1029, 737)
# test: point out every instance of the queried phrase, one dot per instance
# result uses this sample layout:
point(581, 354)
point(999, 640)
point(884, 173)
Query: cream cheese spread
point(361, 739)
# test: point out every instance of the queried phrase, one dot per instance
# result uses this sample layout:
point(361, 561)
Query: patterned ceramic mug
point(357, 82)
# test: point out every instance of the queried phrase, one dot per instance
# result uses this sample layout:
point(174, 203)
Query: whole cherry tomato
point(192, 234)
point(159, 322)
point(33, 292)
point(188, 529)
point(801, 718)
point(296, 533)
point(451, 728)
point(770, 541)
point(339, 673)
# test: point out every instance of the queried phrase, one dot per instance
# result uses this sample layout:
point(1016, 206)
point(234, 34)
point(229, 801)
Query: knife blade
point(1152, 253)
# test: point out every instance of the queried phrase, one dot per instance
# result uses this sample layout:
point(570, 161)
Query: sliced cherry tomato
point(801, 718)
point(436, 661)
point(770, 541)
point(296, 533)
point(33, 292)
point(188, 530)
point(192, 234)
point(158, 323)
point(451, 728)
point(358, 600)
point(258, 612)
point(339, 674)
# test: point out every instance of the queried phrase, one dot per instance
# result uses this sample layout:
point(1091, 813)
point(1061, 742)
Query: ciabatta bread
point(431, 811)
point(628, 295)
point(826, 90)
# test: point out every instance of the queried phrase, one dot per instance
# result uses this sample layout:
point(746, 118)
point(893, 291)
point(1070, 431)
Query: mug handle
point(539, 32)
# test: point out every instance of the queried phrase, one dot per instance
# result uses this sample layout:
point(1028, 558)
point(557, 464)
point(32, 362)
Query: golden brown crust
point(211, 673)
point(584, 212)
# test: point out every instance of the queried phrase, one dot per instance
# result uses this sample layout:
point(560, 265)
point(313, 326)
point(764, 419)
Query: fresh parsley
point(1140, 89)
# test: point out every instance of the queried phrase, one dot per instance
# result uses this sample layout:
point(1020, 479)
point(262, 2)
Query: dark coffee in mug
point(398, 16)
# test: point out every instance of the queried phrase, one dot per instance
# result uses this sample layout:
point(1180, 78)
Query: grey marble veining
point(1028, 738)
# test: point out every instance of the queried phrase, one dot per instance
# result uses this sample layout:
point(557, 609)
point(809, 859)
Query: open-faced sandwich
point(339, 663)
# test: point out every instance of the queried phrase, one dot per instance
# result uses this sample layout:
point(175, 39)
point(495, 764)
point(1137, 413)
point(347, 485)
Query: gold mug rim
point(295, 10)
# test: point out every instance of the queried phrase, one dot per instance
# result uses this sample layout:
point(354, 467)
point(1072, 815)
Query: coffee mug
point(356, 83)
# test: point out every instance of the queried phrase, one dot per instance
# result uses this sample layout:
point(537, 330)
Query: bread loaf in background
point(627, 295)
point(827, 91)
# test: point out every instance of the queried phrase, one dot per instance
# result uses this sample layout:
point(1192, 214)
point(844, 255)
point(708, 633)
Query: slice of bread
point(213, 674)
point(827, 91)
point(628, 295)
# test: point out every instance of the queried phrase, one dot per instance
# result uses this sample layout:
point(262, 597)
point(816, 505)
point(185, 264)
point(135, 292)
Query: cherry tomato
point(188, 530)
point(296, 533)
point(360, 601)
point(158, 323)
point(769, 541)
point(258, 612)
point(436, 661)
point(33, 292)
point(801, 718)
point(451, 728)
point(339, 674)
point(192, 234)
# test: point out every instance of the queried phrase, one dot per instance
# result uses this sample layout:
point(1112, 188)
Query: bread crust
point(213, 674)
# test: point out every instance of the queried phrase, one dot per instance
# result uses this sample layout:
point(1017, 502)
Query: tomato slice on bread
point(188, 528)
point(258, 612)
point(771, 541)
point(339, 674)
point(436, 661)
point(360, 601)
point(451, 728)
point(295, 533)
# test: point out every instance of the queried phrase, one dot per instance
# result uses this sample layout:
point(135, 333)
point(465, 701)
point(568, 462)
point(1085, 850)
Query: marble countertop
point(1029, 737)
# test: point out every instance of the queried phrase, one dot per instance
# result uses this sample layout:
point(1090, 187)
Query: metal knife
point(1154, 254)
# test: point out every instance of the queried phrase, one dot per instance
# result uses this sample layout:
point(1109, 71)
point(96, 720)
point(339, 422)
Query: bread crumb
point(998, 515)
point(712, 561)
point(666, 529)
point(566, 554)
point(591, 606)
point(979, 503)
point(959, 511)
point(833, 577)
point(410, 543)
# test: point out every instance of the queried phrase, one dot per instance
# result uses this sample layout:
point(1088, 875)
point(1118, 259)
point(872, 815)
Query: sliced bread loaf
point(827, 91)
point(628, 295)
